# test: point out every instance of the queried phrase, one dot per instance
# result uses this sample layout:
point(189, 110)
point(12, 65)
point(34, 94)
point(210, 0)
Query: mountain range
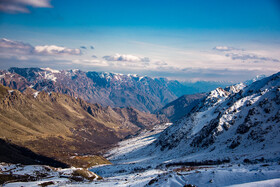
point(108, 89)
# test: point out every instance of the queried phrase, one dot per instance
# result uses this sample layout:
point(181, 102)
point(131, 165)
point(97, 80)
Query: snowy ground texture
point(142, 170)
point(128, 170)
point(39, 175)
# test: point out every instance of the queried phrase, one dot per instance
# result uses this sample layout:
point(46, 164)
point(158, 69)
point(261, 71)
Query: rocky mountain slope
point(58, 125)
point(231, 137)
point(176, 109)
point(226, 123)
point(220, 127)
point(184, 104)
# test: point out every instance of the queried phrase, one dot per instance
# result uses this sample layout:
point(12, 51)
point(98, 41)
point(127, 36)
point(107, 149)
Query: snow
point(203, 118)
point(60, 177)
point(264, 183)
point(143, 139)
point(132, 75)
point(36, 94)
point(56, 181)
point(125, 160)
point(136, 170)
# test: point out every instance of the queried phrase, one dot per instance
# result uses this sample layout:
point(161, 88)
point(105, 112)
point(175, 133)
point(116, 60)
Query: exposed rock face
point(230, 122)
point(57, 125)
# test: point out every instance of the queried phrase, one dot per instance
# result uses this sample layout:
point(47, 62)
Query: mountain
point(230, 137)
point(226, 123)
point(184, 104)
point(57, 125)
point(176, 109)
point(108, 89)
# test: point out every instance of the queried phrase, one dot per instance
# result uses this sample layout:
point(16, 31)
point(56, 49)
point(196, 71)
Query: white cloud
point(126, 58)
point(226, 48)
point(21, 6)
point(20, 48)
point(56, 50)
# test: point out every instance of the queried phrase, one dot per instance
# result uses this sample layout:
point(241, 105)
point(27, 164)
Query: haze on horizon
point(185, 40)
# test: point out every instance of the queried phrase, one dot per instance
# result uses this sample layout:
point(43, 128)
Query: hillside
point(57, 125)
point(176, 109)
point(226, 123)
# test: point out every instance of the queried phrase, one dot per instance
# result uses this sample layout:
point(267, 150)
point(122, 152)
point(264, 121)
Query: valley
point(195, 140)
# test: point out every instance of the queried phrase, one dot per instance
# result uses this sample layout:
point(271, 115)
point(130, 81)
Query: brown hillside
point(57, 125)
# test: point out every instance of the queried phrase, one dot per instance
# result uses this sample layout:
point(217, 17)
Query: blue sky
point(178, 39)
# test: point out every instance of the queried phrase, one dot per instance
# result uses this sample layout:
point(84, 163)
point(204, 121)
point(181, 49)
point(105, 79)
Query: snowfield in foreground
point(128, 170)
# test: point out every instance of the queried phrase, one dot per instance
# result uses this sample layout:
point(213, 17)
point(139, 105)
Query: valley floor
point(133, 166)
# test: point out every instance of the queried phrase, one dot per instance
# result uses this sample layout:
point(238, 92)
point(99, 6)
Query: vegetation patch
point(88, 161)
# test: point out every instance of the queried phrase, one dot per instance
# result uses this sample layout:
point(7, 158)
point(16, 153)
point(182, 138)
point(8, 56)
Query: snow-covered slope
point(226, 124)
point(132, 166)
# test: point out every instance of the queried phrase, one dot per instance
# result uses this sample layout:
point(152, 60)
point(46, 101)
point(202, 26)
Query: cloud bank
point(243, 55)
point(256, 58)
point(21, 6)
